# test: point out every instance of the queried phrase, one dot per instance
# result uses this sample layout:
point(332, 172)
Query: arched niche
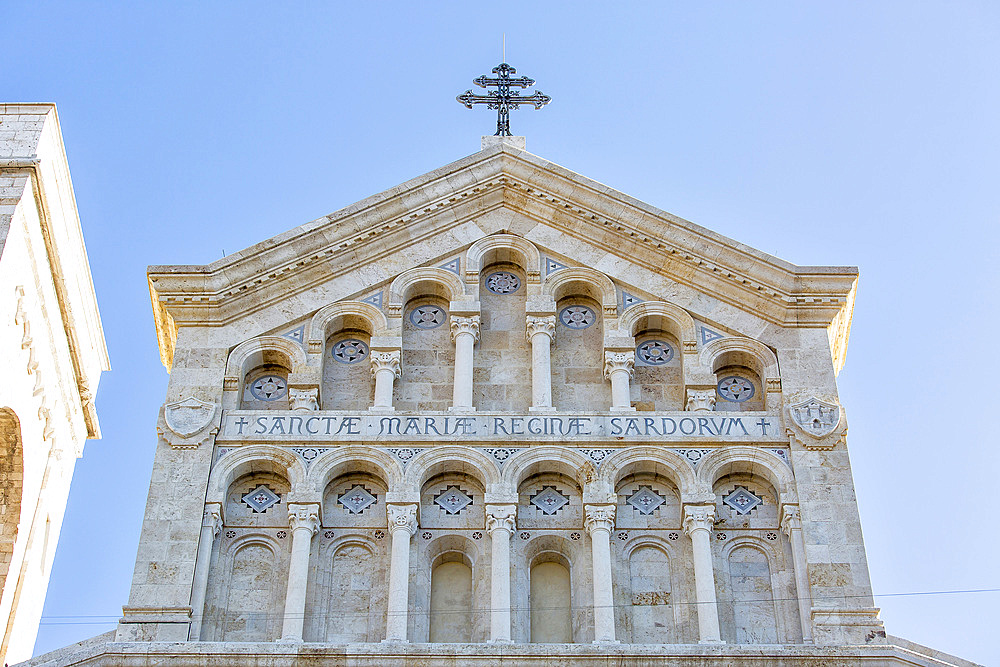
point(246, 588)
point(452, 501)
point(544, 458)
point(744, 368)
point(348, 587)
point(661, 316)
point(345, 315)
point(652, 460)
point(451, 459)
point(424, 281)
point(751, 461)
point(506, 249)
point(577, 353)
point(354, 459)
point(251, 459)
point(503, 358)
point(257, 372)
point(455, 591)
point(648, 596)
point(587, 282)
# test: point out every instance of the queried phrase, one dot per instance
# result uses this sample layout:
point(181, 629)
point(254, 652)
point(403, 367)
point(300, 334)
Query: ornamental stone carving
point(386, 361)
point(815, 417)
point(619, 361)
point(402, 517)
point(501, 517)
point(701, 400)
point(304, 517)
point(465, 325)
point(212, 518)
point(698, 517)
point(303, 400)
point(791, 519)
point(599, 517)
point(540, 325)
point(188, 423)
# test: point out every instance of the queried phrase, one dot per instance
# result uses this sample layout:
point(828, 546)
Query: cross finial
point(503, 99)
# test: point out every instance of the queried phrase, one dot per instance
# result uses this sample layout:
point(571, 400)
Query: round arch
point(742, 351)
point(353, 458)
point(254, 539)
point(444, 458)
point(424, 281)
point(251, 459)
point(662, 461)
point(261, 350)
point(345, 314)
point(752, 461)
point(660, 315)
point(503, 248)
point(555, 459)
point(581, 279)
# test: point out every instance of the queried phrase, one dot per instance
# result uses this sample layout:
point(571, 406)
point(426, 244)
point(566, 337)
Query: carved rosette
point(540, 325)
point(386, 361)
point(402, 517)
point(791, 519)
point(698, 517)
point(501, 517)
point(303, 400)
point(701, 400)
point(465, 325)
point(619, 361)
point(188, 423)
point(304, 516)
point(599, 517)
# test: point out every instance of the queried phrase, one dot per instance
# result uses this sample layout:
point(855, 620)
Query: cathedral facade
point(501, 413)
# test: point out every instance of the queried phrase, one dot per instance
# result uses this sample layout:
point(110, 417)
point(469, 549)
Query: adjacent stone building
point(501, 413)
point(52, 353)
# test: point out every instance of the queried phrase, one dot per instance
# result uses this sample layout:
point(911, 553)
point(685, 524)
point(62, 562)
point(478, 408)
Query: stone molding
point(188, 423)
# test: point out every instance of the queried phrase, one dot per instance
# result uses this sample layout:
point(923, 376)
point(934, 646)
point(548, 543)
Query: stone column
point(402, 526)
point(600, 521)
point(304, 522)
point(211, 524)
point(698, 522)
point(465, 333)
point(540, 332)
point(500, 524)
point(385, 370)
point(791, 525)
point(619, 367)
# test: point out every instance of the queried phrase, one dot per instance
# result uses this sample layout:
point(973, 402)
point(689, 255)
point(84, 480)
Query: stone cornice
point(458, 194)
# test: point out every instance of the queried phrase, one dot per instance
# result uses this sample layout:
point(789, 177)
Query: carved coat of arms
point(188, 416)
point(815, 417)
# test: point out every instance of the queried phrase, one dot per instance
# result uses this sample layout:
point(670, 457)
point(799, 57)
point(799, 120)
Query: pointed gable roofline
point(445, 202)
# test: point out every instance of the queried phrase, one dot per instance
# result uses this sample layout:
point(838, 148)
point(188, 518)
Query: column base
point(534, 409)
point(605, 641)
point(499, 641)
point(395, 641)
point(461, 409)
point(379, 408)
point(290, 640)
point(711, 641)
point(628, 409)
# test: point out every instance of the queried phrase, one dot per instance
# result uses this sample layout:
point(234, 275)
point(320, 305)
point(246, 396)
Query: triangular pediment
point(430, 220)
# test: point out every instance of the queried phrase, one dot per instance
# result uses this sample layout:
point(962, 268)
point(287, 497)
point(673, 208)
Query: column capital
point(402, 517)
point(700, 400)
point(599, 517)
point(303, 400)
point(386, 361)
point(465, 325)
point(501, 517)
point(791, 519)
point(212, 518)
point(619, 361)
point(698, 517)
point(304, 516)
point(545, 325)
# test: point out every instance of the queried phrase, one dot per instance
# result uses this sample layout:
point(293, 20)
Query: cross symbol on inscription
point(503, 99)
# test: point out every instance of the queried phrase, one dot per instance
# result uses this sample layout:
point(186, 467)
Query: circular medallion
point(427, 317)
point(503, 282)
point(268, 388)
point(350, 351)
point(736, 389)
point(577, 317)
point(654, 352)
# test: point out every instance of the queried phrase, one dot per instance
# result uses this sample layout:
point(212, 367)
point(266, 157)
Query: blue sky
point(824, 133)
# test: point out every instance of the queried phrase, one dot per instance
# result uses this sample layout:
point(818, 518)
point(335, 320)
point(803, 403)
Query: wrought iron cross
point(503, 99)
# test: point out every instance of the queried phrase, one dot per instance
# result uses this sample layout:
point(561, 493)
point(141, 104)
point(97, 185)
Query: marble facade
point(52, 354)
point(501, 412)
